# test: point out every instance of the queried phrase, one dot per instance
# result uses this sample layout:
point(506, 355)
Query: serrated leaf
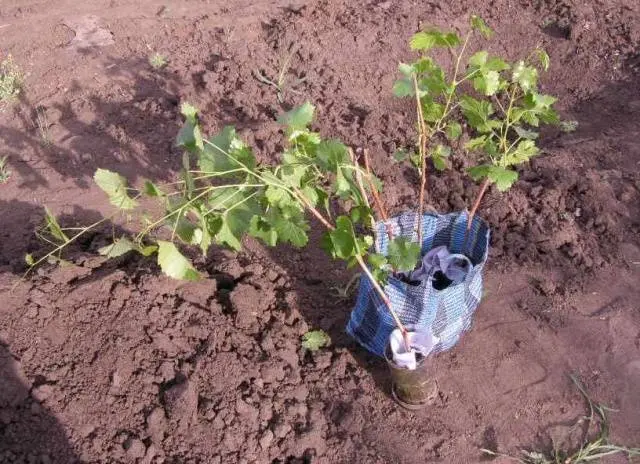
point(525, 150)
point(438, 156)
point(453, 130)
point(475, 143)
point(276, 195)
point(487, 83)
point(442, 151)
point(119, 247)
point(478, 173)
point(173, 263)
point(234, 224)
point(259, 228)
point(431, 110)
point(340, 243)
point(525, 76)
point(403, 254)
point(433, 38)
point(342, 186)
point(330, 154)
point(224, 152)
point(115, 186)
point(543, 57)
point(292, 230)
point(403, 88)
point(298, 118)
point(525, 133)
point(189, 111)
point(477, 113)
point(406, 70)
point(52, 225)
point(190, 137)
point(495, 63)
point(152, 189)
point(315, 339)
point(479, 25)
point(503, 178)
point(377, 260)
point(478, 59)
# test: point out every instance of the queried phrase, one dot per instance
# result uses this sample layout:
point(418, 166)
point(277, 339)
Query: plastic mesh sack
point(446, 313)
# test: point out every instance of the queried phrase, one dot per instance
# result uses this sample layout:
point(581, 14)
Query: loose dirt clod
point(507, 373)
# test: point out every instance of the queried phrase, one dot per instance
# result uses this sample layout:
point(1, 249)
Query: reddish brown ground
point(115, 363)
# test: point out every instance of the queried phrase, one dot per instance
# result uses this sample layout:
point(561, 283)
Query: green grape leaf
point(315, 339)
point(478, 59)
point(189, 111)
point(224, 152)
point(543, 57)
point(292, 230)
point(174, 264)
point(487, 83)
point(495, 63)
point(340, 243)
point(476, 143)
point(426, 40)
point(431, 110)
point(503, 178)
point(377, 260)
point(298, 118)
point(525, 150)
point(525, 133)
point(152, 189)
point(453, 130)
point(330, 154)
point(190, 137)
point(478, 173)
point(403, 254)
point(434, 82)
point(123, 245)
point(525, 76)
point(342, 183)
point(234, 224)
point(115, 186)
point(477, 113)
point(52, 225)
point(403, 88)
point(406, 69)
point(438, 156)
point(479, 25)
point(221, 198)
point(276, 195)
point(261, 229)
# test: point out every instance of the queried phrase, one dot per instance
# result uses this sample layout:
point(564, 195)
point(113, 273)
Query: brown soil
point(113, 362)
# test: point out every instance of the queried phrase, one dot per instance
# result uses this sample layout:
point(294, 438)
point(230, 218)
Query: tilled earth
point(113, 362)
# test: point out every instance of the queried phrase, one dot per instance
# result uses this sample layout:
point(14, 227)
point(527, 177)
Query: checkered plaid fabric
point(447, 313)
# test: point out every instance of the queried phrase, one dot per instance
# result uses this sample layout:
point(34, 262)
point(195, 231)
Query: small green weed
point(158, 61)
point(591, 450)
point(280, 83)
point(5, 174)
point(315, 339)
point(11, 80)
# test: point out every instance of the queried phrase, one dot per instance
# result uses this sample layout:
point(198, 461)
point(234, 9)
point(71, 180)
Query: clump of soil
point(113, 362)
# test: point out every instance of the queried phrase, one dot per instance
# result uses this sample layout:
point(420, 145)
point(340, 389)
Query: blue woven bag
point(446, 313)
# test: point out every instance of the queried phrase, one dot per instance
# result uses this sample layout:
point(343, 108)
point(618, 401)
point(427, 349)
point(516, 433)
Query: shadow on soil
point(144, 126)
point(28, 431)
